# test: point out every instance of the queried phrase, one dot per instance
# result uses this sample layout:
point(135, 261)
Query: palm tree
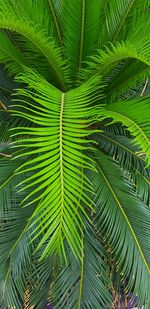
point(74, 152)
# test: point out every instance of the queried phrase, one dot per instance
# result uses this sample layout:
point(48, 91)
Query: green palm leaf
point(119, 218)
point(106, 59)
point(58, 143)
point(23, 26)
point(119, 17)
point(74, 152)
point(143, 186)
point(80, 31)
point(55, 9)
point(122, 149)
point(81, 285)
point(11, 55)
point(135, 115)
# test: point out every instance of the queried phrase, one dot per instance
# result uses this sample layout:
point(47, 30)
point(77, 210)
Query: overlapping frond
point(58, 141)
point(23, 278)
point(55, 9)
point(80, 31)
point(121, 149)
point(134, 114)
point(21, 24)
point(125, 80)
point(120, 17)
point(75, 186)
point(85, 284)
point(143, 186)
point(125, 222)
point(106, 59)
point(10, 55)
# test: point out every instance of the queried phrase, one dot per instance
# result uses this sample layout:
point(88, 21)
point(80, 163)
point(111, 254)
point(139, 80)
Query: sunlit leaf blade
point(58, 142)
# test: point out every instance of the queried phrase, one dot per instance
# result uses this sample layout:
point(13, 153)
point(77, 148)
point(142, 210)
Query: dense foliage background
point(74, 152)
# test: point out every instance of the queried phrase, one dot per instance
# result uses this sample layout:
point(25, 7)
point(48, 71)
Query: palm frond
point(11, 55)
point(80, 31)
point(143, 186)
point(125, 80)
point(122, 150)
point(55, 9)
point(119, 17)
point(22, 25)
point(58, 144)
point(106, 59)
point(85, 284)
point(21, 272)
point(124, 221)
point(134, 114)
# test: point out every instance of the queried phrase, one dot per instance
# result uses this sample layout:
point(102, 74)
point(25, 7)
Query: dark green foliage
point(74, 152)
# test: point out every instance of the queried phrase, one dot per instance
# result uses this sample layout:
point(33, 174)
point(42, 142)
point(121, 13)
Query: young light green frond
point(34, 12)
point(74, 152)
point(80, 31)
point(64, 119)
point(125, 221)
point(134, 114)
point(106, 59)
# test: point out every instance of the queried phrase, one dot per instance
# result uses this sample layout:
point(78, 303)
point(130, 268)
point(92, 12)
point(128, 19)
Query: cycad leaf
point(10, 55)
point(106, 59)
point(135, 115)
point(143, 186)
point(58, 143)
point(122, 150)
point(125, 222)
point(11, 228)
point(85, 284)
point(55, 9)
point(27, 28)
point(118, 18)
point(80, 30)
point(21, 272)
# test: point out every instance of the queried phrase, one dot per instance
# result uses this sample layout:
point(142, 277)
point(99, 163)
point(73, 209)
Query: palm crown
point(74, 152)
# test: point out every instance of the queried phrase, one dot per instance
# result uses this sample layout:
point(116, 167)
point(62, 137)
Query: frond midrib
point(61, 160)
point(82, 34)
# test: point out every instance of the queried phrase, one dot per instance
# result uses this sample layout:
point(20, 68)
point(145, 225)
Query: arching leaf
point(135, 115)
point(58, 142)
point(119, 218)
